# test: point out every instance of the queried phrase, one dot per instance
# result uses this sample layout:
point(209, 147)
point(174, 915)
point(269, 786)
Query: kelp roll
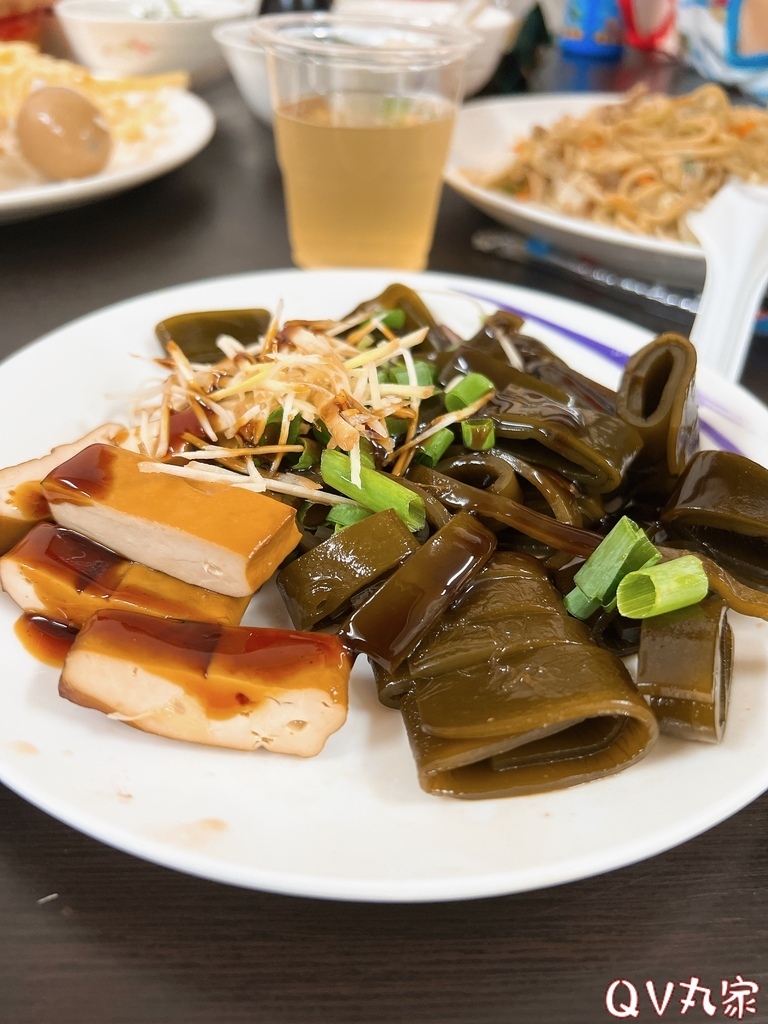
point(720, 509)
point(685, 666)
point(657, 396)
point(322, 582)
point(506, 709)
point(500, 338)
point(619, 733)
point(196, 334)
point(393, 621)
point(509, 584)
point(540, 422)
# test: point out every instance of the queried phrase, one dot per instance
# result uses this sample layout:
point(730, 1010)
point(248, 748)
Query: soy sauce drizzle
point(45, 639)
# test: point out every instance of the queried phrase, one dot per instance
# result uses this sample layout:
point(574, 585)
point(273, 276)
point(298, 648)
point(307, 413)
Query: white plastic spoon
point(733, 232)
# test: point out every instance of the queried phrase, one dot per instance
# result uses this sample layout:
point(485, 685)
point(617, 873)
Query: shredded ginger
point(303, 376)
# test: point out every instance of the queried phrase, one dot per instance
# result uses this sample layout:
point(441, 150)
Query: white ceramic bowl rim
point(433, 12)
point(97, 10)
point(347, 38)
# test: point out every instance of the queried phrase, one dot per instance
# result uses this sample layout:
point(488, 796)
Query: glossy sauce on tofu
point(200, 530)
point(90, 567)
point(87, 476)
point(11, 531)
point(182, 423)
point(28, 502)
point(226, 669)
point(44, 639)
point(61, 575)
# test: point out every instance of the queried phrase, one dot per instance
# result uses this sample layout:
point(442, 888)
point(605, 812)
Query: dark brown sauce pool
point(44, 639)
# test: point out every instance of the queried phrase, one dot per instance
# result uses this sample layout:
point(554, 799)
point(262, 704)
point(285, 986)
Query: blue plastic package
point(592, 28)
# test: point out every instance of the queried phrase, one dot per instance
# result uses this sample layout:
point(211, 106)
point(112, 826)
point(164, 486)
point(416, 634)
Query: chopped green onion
point(310, 456)
point(625, 549)
point(663, 588)
point(321, 432)
point(294, 429)
point(311, 514)
point(434, 447)
point(396, 426)
point(274, 422)
point(579, 605)
point(394, 319)
point(367, 453)
point(478, 435)
point(613, 604)
point(378, 491)
point(426, 373)
point(342, 516)
point(468, 390)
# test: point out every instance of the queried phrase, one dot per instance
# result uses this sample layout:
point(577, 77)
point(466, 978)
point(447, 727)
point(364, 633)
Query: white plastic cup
point(363, 114)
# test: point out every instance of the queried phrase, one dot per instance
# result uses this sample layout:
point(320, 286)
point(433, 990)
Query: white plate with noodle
point(351, 823)
point(484, 139)
point(180, 126)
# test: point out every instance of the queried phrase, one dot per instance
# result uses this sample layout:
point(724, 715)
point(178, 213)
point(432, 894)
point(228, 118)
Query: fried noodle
point(643, 164)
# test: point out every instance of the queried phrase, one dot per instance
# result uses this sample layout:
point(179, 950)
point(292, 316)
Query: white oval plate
point(486, 131)
point(187, 127)
point(351, 823)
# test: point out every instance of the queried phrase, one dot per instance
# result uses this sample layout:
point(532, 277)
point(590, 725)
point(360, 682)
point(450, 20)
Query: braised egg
point(62, 134)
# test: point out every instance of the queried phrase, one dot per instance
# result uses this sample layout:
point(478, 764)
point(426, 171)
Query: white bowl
point(495, 26)
point(248, 65)
point(144, 37)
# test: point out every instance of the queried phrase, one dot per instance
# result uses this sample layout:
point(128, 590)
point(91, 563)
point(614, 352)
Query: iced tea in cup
point(363, 114)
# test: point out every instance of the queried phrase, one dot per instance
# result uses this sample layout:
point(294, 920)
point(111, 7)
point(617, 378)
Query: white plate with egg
point(184, 126)
point(351, 823)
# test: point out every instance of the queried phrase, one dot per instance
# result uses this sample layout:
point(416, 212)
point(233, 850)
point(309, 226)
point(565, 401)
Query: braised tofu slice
point(209, 533)
point(61, 575)
point(22, 503)
point(228, 686)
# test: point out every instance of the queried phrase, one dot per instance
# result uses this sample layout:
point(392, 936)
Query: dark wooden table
point(127, 942)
